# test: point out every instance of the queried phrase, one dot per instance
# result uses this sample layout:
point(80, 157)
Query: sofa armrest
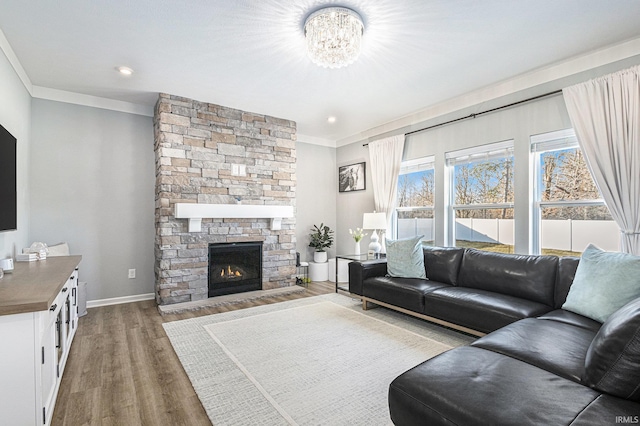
point(360, 271)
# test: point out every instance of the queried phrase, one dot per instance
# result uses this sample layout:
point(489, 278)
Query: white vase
point(320, 256)
point(357, 250)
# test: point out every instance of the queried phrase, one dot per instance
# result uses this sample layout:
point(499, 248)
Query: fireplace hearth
point(235, 267)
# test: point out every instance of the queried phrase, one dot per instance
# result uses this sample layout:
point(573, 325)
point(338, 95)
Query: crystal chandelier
point(333, 36)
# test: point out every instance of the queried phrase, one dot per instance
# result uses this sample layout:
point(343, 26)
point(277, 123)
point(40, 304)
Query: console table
point(38, 320)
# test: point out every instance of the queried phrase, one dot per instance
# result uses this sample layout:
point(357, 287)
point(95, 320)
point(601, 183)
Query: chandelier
point(333, 36)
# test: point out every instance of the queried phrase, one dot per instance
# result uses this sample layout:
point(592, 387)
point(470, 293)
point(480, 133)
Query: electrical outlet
point(132, 273)
point(238, 170)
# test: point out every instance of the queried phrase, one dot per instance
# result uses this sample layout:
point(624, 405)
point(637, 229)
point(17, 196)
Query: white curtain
point(386, 158)
point(605, 113)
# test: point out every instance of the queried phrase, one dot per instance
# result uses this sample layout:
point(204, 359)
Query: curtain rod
point(555, 92)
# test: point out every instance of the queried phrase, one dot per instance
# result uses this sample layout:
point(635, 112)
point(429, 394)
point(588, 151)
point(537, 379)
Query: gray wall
point(15, 116)
point(92, 185)
point(317, 184)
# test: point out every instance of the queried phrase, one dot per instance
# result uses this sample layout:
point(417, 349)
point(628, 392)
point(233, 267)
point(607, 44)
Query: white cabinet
point(36, 331)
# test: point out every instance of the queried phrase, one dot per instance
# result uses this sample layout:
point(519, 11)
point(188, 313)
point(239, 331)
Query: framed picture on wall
point(352, 177)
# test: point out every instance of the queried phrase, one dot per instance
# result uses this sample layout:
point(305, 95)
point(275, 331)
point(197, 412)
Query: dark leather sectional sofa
point(539, 364)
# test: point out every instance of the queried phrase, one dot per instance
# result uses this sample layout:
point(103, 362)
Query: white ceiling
point(251, 55)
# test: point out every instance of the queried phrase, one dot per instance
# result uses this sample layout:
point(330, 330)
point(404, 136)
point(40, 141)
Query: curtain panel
point(386, 158)
point(605, 113)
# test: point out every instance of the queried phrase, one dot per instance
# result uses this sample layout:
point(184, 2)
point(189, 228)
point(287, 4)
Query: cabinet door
point(74, 300)
point(49, 363)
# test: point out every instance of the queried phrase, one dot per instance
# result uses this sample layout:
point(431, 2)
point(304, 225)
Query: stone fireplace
point(211, 155)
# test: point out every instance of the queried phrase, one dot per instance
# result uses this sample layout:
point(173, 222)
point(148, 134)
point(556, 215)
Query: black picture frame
point(352, 177)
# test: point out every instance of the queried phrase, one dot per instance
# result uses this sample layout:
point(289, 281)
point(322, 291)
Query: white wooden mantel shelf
point(196, 212)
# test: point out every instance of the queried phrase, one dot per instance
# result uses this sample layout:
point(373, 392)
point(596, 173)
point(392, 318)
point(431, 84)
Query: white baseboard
point(119, 300)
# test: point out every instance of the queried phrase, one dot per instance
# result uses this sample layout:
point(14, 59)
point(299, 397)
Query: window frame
point(411, 166)
point(539, 145)
point(466, 156)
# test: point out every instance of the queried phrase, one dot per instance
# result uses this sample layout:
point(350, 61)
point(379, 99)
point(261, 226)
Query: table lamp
point(375, 221)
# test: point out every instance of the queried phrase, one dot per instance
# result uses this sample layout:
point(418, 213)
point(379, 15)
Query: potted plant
point(321, 239)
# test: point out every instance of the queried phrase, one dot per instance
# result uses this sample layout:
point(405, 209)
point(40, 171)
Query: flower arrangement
point(357, 234)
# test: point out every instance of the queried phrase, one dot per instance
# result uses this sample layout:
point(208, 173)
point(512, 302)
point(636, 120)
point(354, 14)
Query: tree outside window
point(482, 195)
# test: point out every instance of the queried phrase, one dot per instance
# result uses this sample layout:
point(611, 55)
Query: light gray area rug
point(313, 361)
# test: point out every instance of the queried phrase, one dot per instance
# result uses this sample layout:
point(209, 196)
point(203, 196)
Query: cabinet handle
point(53, 307)
point(64, 290)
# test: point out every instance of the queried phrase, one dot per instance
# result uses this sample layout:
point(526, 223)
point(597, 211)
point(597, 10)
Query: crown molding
point(91, 101)
point(313, 140)
point(15, 63)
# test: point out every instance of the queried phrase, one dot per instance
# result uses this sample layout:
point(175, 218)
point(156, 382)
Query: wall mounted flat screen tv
point(8, 194)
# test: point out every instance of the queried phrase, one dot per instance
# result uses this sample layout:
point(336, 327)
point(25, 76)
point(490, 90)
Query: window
point(481, 197)
point(568, 212)
point(414, 211)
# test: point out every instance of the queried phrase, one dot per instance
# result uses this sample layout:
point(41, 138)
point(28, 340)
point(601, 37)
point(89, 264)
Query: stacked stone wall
point(196, 144)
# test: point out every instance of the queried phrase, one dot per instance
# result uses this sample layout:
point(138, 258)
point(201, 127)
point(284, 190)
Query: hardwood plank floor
point(122, 369)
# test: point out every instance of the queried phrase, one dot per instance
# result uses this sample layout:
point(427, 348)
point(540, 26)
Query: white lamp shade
point(374, 221)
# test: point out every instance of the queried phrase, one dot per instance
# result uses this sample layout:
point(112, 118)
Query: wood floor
point(122, 369)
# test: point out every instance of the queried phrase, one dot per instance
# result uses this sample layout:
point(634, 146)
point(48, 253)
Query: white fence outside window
point(570, 235)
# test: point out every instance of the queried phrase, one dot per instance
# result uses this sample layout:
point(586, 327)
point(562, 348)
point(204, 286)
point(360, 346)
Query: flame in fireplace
point(229, 273)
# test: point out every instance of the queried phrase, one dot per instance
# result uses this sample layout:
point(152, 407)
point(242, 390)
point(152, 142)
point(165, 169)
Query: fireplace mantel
point(196, 212)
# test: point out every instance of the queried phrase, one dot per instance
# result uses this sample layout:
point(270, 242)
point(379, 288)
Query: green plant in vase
point(321, 238)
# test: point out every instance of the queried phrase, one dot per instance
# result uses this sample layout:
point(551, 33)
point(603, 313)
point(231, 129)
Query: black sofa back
point(566, 272)
point(442, 264)
point(525, 276)
point(611, 363)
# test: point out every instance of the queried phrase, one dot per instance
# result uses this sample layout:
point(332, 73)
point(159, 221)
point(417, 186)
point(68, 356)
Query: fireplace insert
point(235, 267)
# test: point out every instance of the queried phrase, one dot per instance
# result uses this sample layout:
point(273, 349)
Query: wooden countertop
point(33, 286)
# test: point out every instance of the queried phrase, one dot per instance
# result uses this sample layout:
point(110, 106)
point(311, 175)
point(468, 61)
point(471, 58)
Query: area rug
point(313, 361)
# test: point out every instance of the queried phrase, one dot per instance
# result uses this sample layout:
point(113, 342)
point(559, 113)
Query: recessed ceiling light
point(331, 119)
point(125, 70)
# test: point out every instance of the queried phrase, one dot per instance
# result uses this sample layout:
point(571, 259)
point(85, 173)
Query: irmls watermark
point(629, 420)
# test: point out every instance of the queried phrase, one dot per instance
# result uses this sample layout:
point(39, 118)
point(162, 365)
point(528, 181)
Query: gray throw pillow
point(604, 283)
point(405, 258)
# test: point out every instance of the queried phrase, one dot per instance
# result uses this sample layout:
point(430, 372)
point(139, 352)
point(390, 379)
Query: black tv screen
point(8, 194)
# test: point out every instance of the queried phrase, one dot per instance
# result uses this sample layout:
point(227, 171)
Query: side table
point(350, 258)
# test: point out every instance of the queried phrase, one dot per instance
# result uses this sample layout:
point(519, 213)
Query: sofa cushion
point(443, 263)
point(608, 410)
point(405, 258)
point(470, 386)
point(479, 309)
point(528, 277)
point(407, 293)
point(577, 320)
point(604, 282)
point(612, 362)
point(557, 347)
